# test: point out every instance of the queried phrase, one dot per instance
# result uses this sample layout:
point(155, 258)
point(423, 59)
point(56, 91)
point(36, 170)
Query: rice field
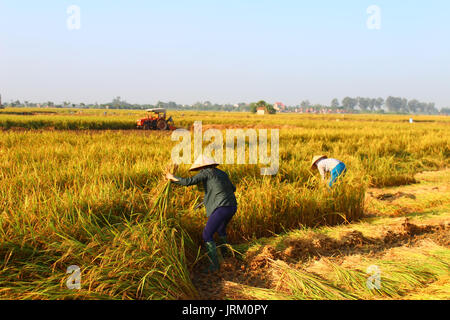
point(87, 189)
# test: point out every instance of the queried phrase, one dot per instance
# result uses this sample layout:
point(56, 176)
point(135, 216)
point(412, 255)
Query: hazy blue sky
point(224, 51)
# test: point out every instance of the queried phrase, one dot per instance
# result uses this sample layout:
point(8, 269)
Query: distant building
point(279, 106)
point(261, 111)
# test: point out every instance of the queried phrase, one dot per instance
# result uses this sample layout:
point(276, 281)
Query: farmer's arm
point(198, 178)
point(322, 172)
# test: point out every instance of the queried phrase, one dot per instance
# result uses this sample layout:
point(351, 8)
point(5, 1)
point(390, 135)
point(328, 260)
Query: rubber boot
point(214, 259)
point(224, 247)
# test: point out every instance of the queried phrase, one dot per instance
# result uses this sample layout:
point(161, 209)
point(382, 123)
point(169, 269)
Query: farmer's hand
point(171, 177)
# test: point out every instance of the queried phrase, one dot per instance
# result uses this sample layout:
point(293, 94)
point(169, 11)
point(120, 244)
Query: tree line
point(352, 105)
point(391, 105)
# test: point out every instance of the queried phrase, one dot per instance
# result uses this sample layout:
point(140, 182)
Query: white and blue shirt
point(326, 165)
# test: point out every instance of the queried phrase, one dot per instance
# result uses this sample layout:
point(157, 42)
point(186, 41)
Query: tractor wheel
point(162, 124)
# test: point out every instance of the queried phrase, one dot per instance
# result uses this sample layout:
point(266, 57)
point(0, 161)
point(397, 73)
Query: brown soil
point(391, 197)
point(213, 286)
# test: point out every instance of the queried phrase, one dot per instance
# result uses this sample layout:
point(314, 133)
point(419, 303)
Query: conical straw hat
point(203, 161)
point(317, 158)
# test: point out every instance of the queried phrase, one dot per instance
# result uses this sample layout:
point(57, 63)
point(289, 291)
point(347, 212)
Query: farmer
point(335, 167)
point(219, 201)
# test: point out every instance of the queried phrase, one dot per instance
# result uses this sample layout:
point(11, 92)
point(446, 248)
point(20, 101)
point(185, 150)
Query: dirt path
point(389, 225)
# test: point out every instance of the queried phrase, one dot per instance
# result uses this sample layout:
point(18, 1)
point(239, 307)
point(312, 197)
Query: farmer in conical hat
point(335, 167)
point(220, 202)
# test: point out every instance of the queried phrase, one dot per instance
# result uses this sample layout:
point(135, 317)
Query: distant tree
point(431, 109)
point(271, 109)
point(335, 103)
point(116, 102)
point(262, 104)
point(404, 105)
point(397, 104)
point(413, 106)
point(349, 103)
point(372, 104)
point(379, 102)
point(160, 104)
point(172, 105)
point(391, 104)
point(305, 104)
point(445, 111)
point(363, 103)
point(242, 106)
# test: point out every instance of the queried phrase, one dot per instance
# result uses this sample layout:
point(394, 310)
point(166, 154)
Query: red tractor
point(156, 120)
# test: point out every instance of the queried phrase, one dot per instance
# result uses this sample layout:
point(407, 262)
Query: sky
point(224, 51)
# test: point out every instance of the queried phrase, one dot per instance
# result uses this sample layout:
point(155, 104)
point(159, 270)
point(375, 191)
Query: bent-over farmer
point(220, 202)
point(335, 167)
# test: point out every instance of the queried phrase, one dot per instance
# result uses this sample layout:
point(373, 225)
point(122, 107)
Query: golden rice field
point(87, 189)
